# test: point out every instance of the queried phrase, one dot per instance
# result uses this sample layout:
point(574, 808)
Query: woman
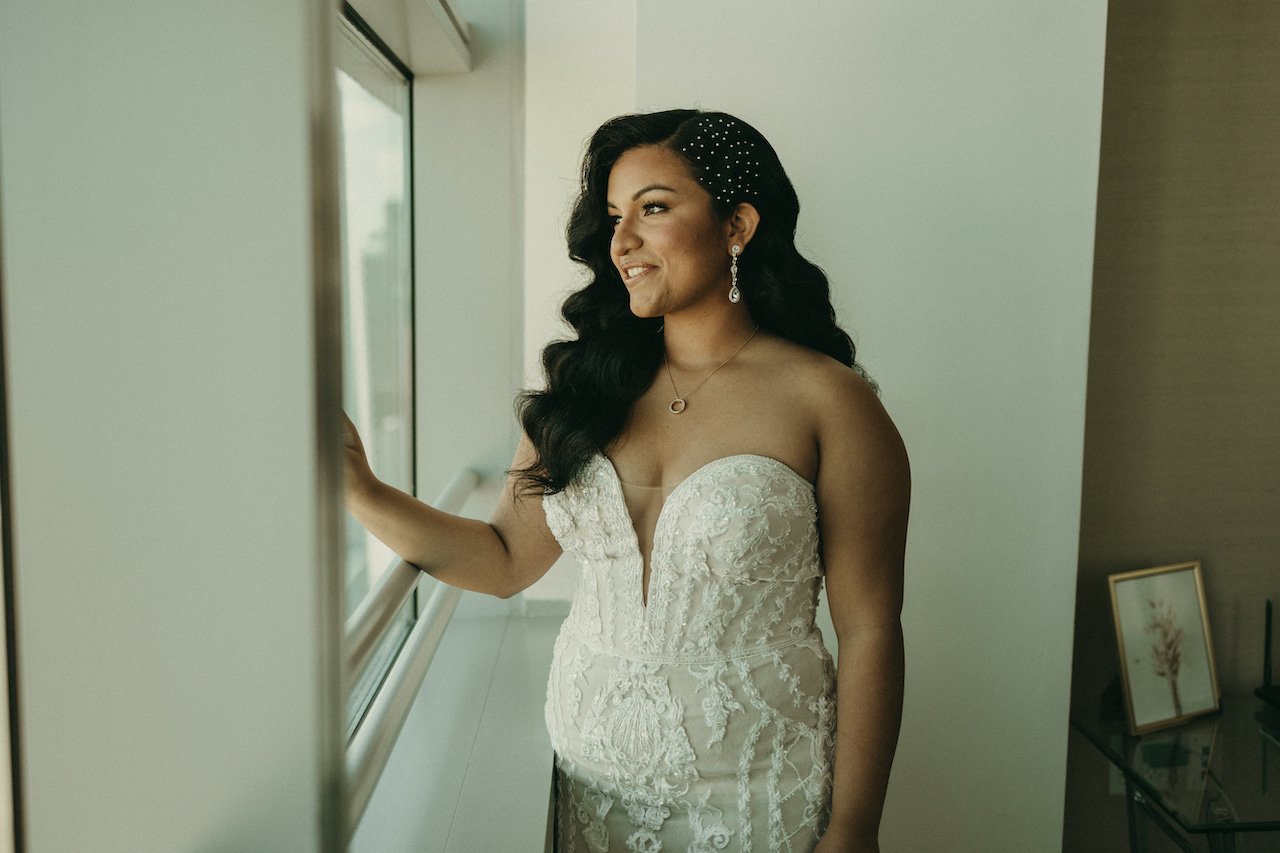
point(710, 452)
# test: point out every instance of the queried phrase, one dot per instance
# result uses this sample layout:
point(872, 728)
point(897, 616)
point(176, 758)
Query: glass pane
point(377, 253)
point(367, 684)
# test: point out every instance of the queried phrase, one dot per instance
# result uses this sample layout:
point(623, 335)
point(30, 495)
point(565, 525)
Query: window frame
point(362, 686)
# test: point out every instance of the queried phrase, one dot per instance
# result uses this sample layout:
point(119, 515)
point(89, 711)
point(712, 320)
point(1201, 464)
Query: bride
point(711, 453)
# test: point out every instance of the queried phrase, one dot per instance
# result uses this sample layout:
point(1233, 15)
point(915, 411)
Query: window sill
point(474, 743)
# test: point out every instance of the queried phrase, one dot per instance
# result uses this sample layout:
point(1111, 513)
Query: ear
point(742, 224)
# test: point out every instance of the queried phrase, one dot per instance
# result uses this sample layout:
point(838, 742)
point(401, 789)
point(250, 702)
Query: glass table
point(1216, 777)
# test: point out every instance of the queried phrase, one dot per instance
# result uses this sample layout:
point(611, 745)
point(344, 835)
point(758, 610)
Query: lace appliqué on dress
point(636, 727)
point(704, 721)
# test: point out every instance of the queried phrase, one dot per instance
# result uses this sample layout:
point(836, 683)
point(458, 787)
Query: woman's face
point(669, 247)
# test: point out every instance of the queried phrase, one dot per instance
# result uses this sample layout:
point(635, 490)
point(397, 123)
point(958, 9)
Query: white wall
point(468, 135)
point(580, 70)
point(945, 155)
point(157, 274)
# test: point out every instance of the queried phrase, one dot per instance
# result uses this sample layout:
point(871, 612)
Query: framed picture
point(1166, 654)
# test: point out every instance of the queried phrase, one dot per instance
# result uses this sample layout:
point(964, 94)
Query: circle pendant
point(677, 406)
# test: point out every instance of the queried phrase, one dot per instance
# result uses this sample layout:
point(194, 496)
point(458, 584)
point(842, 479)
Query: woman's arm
point(499, 557)
point(864, 493)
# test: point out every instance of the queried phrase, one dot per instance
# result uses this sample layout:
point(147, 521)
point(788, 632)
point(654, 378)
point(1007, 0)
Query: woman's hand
point(356, 473)
point(500, 557)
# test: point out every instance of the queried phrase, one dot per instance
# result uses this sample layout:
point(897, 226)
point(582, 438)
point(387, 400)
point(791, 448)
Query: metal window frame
point(378, 617)
point(374, 736)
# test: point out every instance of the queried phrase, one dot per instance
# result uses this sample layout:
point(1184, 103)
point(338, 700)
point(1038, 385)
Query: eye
point(651, 207)
point(614, 220)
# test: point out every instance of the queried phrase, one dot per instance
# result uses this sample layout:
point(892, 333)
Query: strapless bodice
point(735, 566)
point(703, 719)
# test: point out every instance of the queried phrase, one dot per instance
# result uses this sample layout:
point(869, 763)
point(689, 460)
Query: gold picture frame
point(1166, 651)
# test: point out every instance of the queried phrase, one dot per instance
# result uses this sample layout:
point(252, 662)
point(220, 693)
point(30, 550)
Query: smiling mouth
point(631, 274)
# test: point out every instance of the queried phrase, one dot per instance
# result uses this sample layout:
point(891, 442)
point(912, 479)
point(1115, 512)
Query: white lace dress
point(704, 720)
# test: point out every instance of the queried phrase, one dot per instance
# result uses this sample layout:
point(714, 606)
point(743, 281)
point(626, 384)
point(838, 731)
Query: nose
point(624, 238)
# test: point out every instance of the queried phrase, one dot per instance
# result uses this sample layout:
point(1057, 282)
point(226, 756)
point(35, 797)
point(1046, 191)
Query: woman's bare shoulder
point(818, 380)
point(851, 425)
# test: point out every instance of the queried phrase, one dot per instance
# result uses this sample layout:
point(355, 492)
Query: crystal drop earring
point(735, 295)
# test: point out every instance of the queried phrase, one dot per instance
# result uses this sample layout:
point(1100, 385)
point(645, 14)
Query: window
point(374, 100)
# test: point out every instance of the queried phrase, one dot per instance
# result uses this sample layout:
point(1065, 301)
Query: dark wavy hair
point(593, 380)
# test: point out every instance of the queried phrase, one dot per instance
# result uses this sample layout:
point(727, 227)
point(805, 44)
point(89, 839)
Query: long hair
point(593, 380)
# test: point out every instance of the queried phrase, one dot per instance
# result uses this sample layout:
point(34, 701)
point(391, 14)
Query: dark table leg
point(1142, 812)
point(1137, 808)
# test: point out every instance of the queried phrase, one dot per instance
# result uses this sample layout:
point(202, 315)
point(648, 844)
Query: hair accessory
point(735, 295)
point(679, 404)
point(725, 156)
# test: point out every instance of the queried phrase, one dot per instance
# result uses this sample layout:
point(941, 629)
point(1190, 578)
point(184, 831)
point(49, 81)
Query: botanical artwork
point(1164, 641)
point(1166, 646)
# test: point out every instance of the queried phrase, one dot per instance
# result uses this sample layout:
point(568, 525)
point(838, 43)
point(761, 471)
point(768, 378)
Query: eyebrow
point(645, 190)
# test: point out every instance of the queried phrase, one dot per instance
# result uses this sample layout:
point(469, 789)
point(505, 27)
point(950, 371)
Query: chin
point(644, 310)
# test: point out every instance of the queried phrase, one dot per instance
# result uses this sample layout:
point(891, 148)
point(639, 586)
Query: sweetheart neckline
point(784, 467)
point(644, 588)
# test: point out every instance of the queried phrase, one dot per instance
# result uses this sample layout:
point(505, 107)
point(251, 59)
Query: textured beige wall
point(1182, 430)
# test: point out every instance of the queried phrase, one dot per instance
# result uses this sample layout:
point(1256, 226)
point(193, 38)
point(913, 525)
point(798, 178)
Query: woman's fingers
point(350, 437)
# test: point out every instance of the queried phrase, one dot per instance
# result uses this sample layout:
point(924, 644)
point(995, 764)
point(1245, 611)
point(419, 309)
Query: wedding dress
point(701, 718)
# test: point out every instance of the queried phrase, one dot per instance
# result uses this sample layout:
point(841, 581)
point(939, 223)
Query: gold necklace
point(678, 405)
